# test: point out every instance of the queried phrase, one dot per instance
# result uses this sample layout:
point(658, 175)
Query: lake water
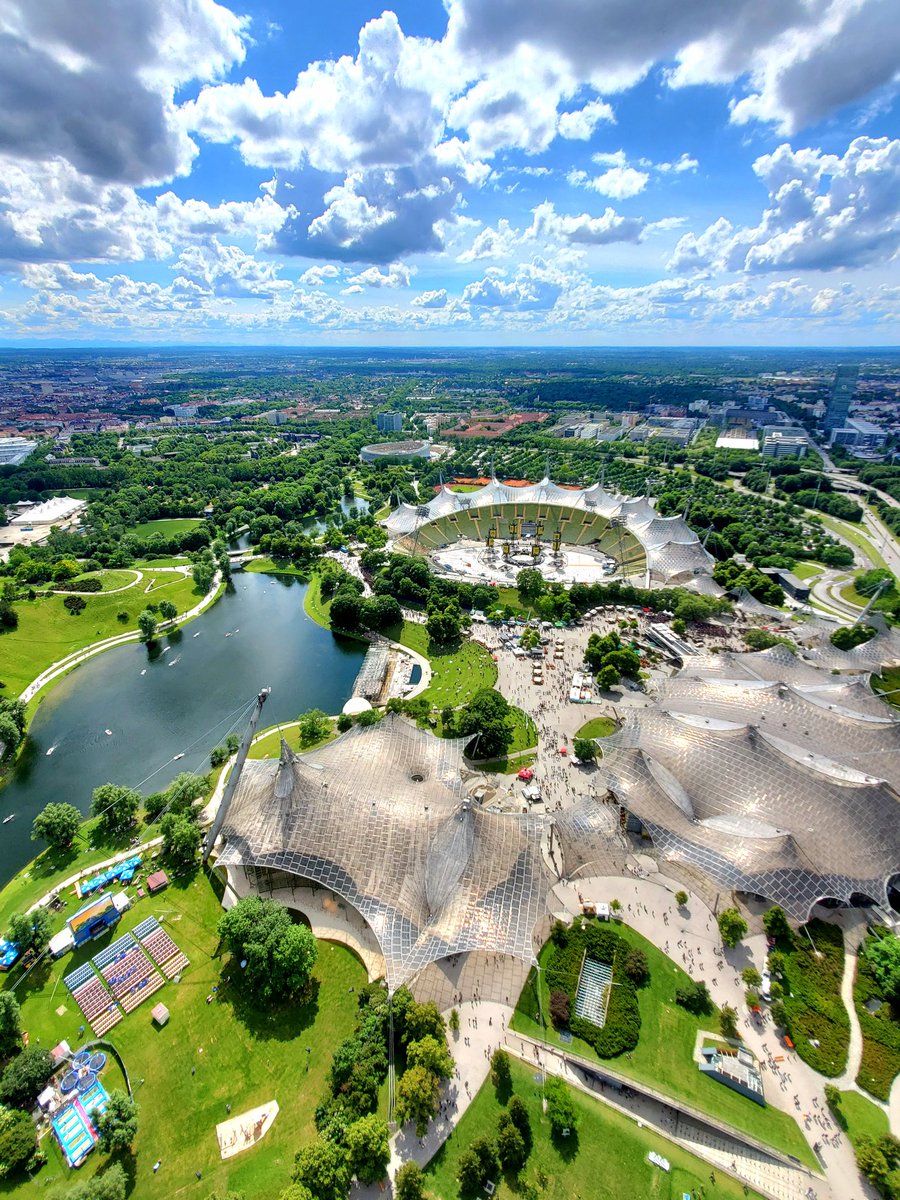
point(183, 700)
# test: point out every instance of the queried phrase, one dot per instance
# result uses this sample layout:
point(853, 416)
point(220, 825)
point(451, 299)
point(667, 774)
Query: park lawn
point(852, 596)
point(852, 534)
point(47, 632)
point(51, 867)
point(863, 1118)
point(269, 566)
point(606, 1160)
point(458, 672)
point(664, 1055)
point(269, 744)
point(880, 1028)
point(316, 607)
point(807, 569)
point(110, 580)
point(597, 728)
point(248, 1058)
point(506, 766)
point(167, 527)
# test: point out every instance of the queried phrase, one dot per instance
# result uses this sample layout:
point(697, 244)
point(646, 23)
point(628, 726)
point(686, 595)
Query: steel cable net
point(381, 817)
point(784, 788)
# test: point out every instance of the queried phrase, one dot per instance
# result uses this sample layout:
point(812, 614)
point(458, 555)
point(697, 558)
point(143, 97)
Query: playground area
point(73, 1100)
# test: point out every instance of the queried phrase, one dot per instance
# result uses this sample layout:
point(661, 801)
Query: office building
point(842, 390)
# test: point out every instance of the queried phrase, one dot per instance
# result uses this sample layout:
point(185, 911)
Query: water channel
point(180, 701)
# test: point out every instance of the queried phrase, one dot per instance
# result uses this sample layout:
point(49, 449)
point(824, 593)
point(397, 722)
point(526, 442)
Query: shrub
point(681, 899)
point(636, 967)
point(728, 1018)
point(560, 1008)
point(561, 1109)
point(813, 1007)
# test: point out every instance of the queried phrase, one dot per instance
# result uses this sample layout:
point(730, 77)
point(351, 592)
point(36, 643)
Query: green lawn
point(268, 566)
point(606, 1161)
point(47, 632)
point(663, 1057)
point(269, 745)
point(854, 535)
point(167, 527)
point(852, 596)
point(597, 728)
point(314, 603)
point(241, 1057)
point(888, 681)
point(807, 570)
point(862, 1116)
point(458, 671)
point(110, 580)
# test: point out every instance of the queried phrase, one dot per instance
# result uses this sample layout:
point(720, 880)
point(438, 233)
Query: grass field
point(599, 727)
point(167, 527)
point(863, 1118)
point(853, 534)
point(110, 580)
point(209, 1055)
point(663, 1057)
point(47, 632)
point(269, 745)
point(268, 566)
point(314, 603)
point(607, 1160)
point(807, 570)
point(458, 672)
point(888, 681)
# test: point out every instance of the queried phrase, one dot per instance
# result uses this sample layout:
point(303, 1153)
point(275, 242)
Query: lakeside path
point(64, 665)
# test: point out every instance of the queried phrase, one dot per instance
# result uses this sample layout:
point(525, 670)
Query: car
point(526, 773)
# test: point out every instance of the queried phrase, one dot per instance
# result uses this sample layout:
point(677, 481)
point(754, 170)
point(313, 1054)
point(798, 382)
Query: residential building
point(389, 422)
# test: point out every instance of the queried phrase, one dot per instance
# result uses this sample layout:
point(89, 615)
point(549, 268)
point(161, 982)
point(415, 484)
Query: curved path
point(138, 576)
point(64, 665)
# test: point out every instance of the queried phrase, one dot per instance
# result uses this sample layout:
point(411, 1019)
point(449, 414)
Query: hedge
point(812, 1001)
point(880, 1062)
point(623, 1017)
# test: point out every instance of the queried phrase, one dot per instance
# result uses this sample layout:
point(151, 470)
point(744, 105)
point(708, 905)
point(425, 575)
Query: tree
point(118, 1124)
point(511, 1149)
point(181, 840)
point(848, 637)
point(432, 1054)
point(75, 604)
point(30, 931)
point(585, 749)
point(884, 956)
point(324, 1168)
point(695, 998)
point(409, 1183)
point(18, 1141)
point(561, 1109)
point(530, 639)
point(109, 1184)
point(681, 899)
point(10, 737)
point(417, 1098)
point(453, 1022)
point(518, 1114)
point(728, 1018)
point(481, 1166)
point(280, 955)
point(732, 926)
point(344, 722)
point(777, 962)
point(10, 1025)
point(529, 584)
point(114, 807)
point(751, 977)
point(422, 1020)
point(345, 612)
point(294, 1191)
point(878, 1159)
point(25, 1076)
point(776, 925)
point(56, 824)
point(607, 677)
point(487, 717)
point(313, 726)
point(147, 624)
point(560, 1008)
point(501, 1075)
point(202, 575)
point(367, 1142)
point(167, 610)
point(444, 628)
point(635, 966)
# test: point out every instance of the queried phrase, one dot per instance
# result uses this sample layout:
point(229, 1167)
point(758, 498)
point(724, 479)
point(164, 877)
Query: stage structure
point(570, 534)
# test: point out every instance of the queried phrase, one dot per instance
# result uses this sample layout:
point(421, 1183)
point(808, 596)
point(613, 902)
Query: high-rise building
point(842, 391)
point(389, 422)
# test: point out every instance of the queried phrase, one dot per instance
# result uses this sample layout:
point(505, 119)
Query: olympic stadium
point(574, 535)
point(764, 774)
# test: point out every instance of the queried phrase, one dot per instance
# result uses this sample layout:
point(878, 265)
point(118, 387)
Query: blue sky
point(474, 172)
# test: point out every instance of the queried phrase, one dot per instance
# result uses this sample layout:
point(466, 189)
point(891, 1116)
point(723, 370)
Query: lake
point(180, 700)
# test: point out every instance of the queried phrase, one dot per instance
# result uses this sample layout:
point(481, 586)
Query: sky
point(472, 172)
